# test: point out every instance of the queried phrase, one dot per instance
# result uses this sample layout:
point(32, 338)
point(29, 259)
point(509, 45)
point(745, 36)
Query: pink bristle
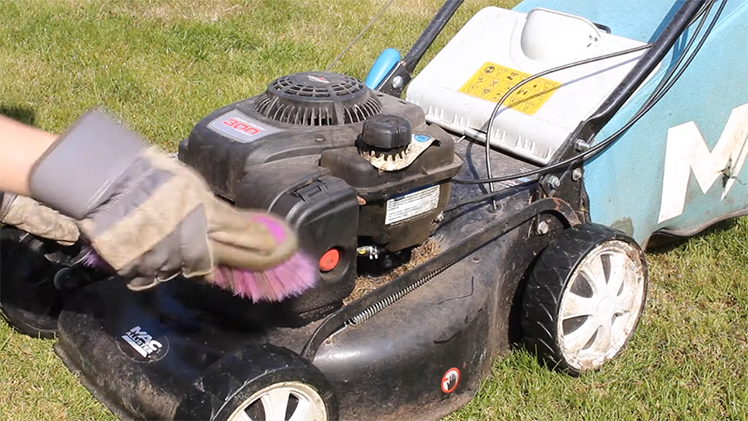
point(288, 279)
point(274, 229)
point(93, 260)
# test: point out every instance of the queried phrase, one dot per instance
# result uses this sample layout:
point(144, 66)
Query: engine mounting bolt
point(397, 82)
point(576, 174)
point(554, 182)
point(542, 228)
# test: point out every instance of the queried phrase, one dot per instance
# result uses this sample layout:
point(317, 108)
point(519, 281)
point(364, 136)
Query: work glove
point(149, 216)
point(31, 216)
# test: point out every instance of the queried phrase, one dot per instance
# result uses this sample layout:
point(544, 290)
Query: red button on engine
point(329, 260)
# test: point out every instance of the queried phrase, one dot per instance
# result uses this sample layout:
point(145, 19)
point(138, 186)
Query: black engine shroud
point(292, 150)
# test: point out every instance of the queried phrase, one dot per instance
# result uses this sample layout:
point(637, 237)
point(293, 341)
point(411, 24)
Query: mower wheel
point(266, 383)
point(289, 400)
point(584, 298)
point(33, 273)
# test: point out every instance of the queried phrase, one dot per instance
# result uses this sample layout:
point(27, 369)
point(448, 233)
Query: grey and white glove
point(149, 216)
point(31, 216)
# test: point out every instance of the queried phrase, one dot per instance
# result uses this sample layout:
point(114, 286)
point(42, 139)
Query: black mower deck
point(391, 359)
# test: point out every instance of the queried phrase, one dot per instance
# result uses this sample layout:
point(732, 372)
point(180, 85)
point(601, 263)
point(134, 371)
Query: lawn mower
point(504, 195)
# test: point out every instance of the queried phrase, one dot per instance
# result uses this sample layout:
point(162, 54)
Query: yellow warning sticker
point(492, 81)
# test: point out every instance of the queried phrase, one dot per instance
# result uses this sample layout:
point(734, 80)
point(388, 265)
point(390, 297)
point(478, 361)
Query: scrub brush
point(287, 279)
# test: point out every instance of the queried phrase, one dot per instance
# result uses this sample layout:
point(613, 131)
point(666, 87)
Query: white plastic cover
point(498, 48)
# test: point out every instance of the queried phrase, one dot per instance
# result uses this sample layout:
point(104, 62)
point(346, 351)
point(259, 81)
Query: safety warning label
point(492, 81)
point(411, 204)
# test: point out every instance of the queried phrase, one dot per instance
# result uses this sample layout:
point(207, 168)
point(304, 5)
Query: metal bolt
point(397, 82)
point(439, 217)
point(368, 251)
point(476, 259)
point(542, 228)
point(576, 174)
point(554, 182)
point(319, 137)
point(582, 145)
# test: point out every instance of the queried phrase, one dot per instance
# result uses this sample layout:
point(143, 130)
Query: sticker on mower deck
point(492, 81)
point(450, 380)
point(412, 204)
point(143, 346)
point(237, 126)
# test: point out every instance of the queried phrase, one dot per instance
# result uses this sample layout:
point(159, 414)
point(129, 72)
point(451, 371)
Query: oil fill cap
point(386, 132)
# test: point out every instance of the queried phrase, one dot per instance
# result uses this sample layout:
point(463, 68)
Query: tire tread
point(545, 285)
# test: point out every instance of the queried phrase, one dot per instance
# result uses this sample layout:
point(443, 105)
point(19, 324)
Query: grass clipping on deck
point(366, 284)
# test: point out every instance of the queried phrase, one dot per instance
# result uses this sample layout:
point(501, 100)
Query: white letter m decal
point(687, 151)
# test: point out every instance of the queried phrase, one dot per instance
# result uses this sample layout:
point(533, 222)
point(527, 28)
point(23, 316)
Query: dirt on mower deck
point(366, 284)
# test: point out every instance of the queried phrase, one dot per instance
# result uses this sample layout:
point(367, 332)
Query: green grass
point(161, 65)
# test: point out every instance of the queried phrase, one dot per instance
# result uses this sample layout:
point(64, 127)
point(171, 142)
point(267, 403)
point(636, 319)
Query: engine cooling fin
point(318, 99)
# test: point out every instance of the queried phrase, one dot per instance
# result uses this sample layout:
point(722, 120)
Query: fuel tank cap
point(386, 133)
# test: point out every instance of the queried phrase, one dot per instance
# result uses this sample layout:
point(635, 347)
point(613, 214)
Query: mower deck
point(390, 366)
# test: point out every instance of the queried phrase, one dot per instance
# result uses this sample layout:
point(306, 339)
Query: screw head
point(542, 228)
point(576, 174)
point(397, 82)
point(554, 182)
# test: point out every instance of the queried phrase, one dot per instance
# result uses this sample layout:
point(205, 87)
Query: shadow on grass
point(23, 114)
point(662, 243)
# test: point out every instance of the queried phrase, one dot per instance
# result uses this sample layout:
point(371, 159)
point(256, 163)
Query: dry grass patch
point(365, 284)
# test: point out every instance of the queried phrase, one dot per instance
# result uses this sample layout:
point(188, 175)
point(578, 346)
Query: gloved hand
point(31, 216)
point(149, 216)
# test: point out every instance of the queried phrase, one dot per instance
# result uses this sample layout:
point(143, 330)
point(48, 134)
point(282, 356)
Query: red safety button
point(329, 260)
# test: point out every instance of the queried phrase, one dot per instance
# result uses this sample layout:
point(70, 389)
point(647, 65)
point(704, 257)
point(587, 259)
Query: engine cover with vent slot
point(299, 115)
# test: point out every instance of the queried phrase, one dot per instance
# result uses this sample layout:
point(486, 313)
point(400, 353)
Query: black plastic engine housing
point(228, 142)
point(292, 150)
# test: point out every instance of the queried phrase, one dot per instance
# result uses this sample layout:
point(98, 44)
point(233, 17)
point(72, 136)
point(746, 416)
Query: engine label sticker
point(492, 81)
point(412, 204)
point(142, 346)
point(239, 127)
point(450, 380)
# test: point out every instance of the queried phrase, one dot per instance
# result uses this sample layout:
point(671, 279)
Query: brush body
point(288, 279)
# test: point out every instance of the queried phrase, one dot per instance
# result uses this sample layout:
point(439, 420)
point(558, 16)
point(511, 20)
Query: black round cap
point(385, 131)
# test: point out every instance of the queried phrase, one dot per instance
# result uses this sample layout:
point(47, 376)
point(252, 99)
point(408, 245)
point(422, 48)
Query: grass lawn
point(161, 65)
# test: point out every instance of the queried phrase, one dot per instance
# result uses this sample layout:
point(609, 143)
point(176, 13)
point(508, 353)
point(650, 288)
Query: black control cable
point(536, 76)
point(667, 82)
point(663, 87)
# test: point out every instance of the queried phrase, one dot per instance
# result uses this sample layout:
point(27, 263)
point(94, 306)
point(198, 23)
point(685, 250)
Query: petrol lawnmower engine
point(357, 172)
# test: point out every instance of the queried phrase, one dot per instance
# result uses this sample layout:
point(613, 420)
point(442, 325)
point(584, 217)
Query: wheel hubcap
point(287, 401)
point(601, 304)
